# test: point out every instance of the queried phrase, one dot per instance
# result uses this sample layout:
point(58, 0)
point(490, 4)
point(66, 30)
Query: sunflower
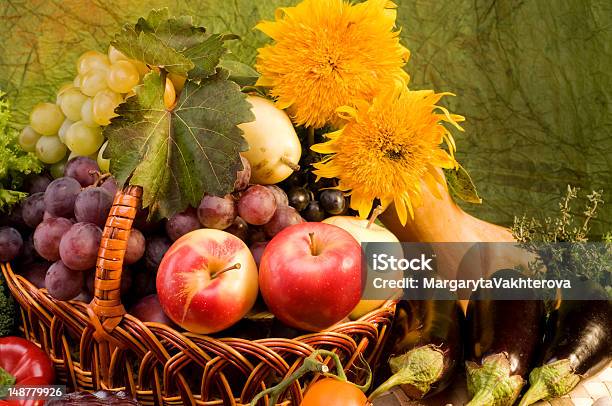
point(387, 147)
point(330, 53)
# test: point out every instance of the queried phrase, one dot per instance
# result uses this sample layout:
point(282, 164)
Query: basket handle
point(106, 310)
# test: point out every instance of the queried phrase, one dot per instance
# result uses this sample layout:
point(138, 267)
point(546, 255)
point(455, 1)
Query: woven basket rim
point(37, 303)
point(106, 331)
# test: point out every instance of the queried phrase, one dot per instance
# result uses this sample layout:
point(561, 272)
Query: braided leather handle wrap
point(106, 309)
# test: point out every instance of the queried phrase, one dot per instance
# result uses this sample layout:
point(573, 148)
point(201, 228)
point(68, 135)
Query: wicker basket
point(98, 346)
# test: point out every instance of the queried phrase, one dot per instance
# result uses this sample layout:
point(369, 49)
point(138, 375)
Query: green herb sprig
point(561, 242)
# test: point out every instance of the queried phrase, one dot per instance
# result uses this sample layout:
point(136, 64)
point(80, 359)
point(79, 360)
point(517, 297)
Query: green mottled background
point(532, 78)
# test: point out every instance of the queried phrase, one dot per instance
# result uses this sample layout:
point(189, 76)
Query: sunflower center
point(329, 61)
point(332, 63)
point(394, 154)
point(388, 146)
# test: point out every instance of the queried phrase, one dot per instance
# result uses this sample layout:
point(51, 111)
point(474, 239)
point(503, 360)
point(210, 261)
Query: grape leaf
point(206, 55)
point(240, 73)
point(177, 32)
point(175, 44)
point(177, 156)
point(148, 48)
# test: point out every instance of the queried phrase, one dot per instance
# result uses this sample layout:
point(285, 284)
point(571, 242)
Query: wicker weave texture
point(98, 346)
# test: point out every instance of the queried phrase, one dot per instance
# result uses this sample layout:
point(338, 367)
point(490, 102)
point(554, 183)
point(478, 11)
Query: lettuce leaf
point(15, 163)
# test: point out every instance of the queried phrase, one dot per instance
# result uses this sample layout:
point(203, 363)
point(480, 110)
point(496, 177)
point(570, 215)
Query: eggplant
point(503, 337)
point(424, 348)
point(578, 343)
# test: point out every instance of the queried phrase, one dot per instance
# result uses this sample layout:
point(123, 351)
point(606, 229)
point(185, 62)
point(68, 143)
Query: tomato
point(330, 391)
point(27, 364)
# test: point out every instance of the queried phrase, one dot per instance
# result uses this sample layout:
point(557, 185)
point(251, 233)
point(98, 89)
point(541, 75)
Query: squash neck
point(440, 219)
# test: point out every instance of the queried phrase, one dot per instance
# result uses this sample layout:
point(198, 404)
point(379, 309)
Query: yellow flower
point(330, 53)
point(387, 147)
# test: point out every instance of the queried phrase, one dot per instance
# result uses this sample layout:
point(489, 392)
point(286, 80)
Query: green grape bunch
point(73, 125)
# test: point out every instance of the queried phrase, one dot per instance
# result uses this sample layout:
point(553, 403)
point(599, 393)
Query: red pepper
point(23, 363)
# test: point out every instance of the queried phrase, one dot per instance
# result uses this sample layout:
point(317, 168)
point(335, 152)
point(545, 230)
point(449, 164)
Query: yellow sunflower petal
point(450, 140)
point(432, 184)
point(362, 104)
point(408, 203)
point(443, 160)
point(269, 28)
point(328, 54)
point(400, 208)
point(415, 199)
point(327, 170)
point(390, 11)
point(438, 175)
point(449, 118)
point(281, 12)
point(387, 148)
point(334, 135)
point(457, 117)
point(361, 203)
point(283, 103)
point(264, 81)
point(386, 201)
point(346, 112)
point(328, 147)
point(344, 188)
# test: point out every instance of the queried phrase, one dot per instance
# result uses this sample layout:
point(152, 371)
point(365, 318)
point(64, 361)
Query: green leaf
point(175, 44)
point(177, 156)
point(240, 73)
point(146, 47)
point(176, 32)
point(206, 56)
point(461, 186)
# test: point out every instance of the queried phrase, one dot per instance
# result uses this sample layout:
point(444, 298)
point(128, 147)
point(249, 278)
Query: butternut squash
point(440, 220)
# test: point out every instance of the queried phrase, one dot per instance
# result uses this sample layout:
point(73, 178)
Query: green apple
point(364, 231)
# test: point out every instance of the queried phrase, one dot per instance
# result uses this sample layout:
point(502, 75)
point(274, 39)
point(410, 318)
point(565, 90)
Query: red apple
point(207, 281)
point(310, 275)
